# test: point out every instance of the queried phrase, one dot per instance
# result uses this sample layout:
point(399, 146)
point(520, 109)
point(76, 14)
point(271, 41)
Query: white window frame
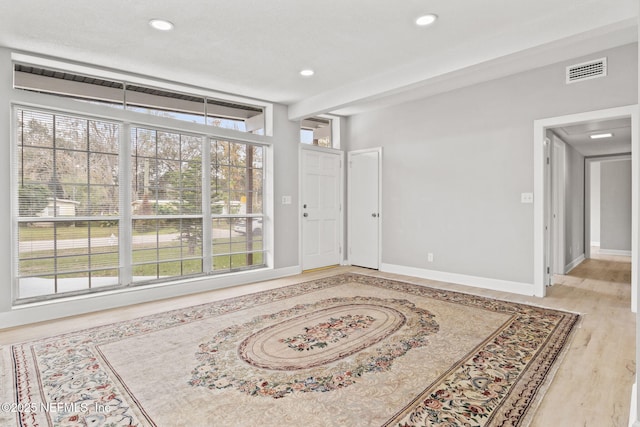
point(127, 119)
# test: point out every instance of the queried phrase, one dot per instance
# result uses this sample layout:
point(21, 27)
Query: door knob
point(305, 214)
point(375, 215)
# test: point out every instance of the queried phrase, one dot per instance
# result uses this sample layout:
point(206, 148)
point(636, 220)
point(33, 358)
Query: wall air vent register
point(587, 70)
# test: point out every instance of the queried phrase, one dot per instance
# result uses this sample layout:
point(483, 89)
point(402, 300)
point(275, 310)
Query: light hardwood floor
point(592, 385)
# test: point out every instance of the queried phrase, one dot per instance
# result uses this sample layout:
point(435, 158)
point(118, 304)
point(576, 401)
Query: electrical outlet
point(430, 257)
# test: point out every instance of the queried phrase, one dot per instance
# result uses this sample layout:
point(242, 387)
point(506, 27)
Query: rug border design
point(512, 411)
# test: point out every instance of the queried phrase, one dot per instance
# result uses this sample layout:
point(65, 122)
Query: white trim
point(573, 264)
point(547, 242)
point(596, 244)
point(616, 252)
point(125, 226)
point(558, 157)
point(73, 106)
point(539, 128)
point(63, 307)
point(587, 210)
point(461, 279)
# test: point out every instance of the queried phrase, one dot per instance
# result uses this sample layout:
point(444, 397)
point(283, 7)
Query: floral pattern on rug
point(223, 364)
point(331, 331)
point(495, 384)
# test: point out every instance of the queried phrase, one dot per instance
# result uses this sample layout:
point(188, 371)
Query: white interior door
point(548, 277)
point(364, 208)
point(321, 210)
point(557, 206)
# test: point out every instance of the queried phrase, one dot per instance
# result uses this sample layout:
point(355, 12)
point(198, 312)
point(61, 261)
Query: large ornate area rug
point(348, 350)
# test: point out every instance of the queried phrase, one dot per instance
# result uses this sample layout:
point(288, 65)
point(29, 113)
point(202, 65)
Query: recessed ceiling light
point(161, 24)
point(601, 135)
point(307, 73)
point(425, 20)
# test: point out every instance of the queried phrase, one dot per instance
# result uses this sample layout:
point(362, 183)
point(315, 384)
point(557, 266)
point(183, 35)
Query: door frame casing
point(558, 199)
point(340, 153)
point(540, 207)
point(379, 151)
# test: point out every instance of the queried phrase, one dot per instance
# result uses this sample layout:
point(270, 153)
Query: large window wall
point(106, 204)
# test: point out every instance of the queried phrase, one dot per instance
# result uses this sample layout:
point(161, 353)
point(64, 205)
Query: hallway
point(609, 268)
point(597, 373)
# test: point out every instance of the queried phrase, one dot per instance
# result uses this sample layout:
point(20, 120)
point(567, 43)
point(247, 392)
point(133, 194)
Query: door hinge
point(548, 270)
point(548, 162)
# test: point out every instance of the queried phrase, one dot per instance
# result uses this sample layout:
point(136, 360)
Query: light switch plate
point(286, 200)
point(526, 198)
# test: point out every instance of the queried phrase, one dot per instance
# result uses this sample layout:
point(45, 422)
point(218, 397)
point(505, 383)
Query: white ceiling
point(578, 136)
point(366, 53)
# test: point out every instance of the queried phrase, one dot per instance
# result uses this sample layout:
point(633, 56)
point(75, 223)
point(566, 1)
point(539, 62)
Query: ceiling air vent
point(587, 70)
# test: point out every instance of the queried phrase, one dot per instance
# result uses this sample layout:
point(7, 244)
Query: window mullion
point(126, 239)
point(207, 222)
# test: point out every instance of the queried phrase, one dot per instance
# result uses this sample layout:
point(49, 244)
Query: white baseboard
point(614, 252)
point(81, 304)
point(595, 244)
point(573, 264)
point(462, 279)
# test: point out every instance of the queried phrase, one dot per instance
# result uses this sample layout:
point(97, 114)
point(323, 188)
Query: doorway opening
point(608, 206)
point(577, 240)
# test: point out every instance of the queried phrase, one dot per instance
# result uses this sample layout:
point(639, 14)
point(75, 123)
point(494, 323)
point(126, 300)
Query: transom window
point(317, 131)
point(164, 103)
point(193, 205)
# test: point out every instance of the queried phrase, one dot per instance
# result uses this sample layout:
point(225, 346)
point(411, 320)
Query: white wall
point(455, 165)
point(574, 207)
point(595, 204)
point(285, 169)
point(615, 206)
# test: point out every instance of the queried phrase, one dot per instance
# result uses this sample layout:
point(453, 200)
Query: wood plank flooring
point(592, 385)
